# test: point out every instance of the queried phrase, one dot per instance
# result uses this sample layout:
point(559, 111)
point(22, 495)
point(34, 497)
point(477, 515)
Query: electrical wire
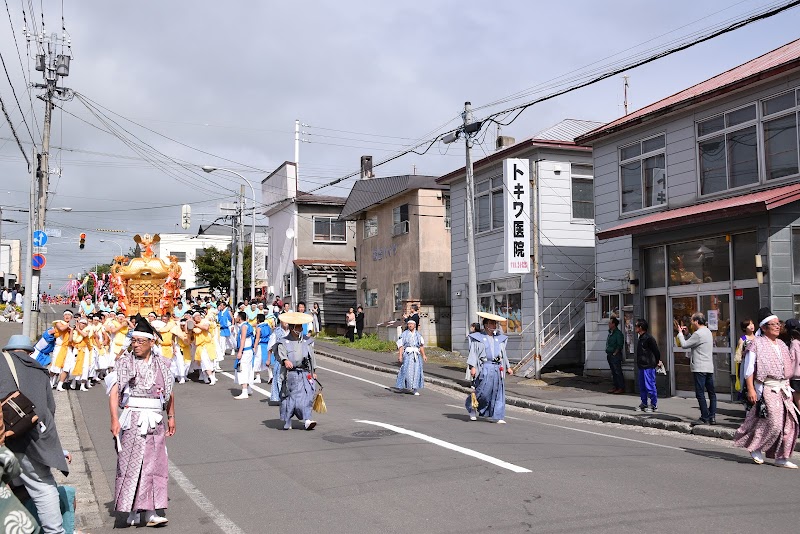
point(14, 131)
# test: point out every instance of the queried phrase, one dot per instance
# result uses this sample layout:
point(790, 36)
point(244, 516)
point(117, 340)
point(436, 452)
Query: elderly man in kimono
point(411, 355)
point(487, 363)
point(140, 390)
point(298, 371)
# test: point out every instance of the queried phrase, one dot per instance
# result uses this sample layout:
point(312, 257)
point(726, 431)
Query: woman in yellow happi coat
point(119, 331)
point(214, 330)
point(169, 333)
point(63, 345)
point(77, 364)
point(204, 352)
point(184, 347)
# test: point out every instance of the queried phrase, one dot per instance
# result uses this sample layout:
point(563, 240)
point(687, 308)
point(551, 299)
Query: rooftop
point(773, 63)
point(373, 191)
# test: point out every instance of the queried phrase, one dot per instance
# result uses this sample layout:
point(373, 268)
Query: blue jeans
point(705, 382)
point(647, 387)
point(42, 488)
point(615, 364)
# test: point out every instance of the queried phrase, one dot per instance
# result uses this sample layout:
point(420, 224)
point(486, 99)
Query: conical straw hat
point(295, 318)
point(492, 317)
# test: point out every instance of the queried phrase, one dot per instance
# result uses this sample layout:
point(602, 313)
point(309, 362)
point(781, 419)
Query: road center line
point(447, 445)
point(590, 432)
point(353, 377)
point(222, 521)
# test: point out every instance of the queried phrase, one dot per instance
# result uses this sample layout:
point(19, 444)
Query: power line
point(14, 92)
point(13, 131)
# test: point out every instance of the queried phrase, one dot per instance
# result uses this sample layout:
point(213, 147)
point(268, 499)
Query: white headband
point(143, 334)
point(766, 320)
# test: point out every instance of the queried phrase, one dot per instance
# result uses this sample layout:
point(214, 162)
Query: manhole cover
point(373, 433)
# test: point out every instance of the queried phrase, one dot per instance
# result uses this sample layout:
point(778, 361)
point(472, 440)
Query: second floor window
point(181, 255)
point(643, 176)
point(582, 192)
point(489, 204)
point(728, 151)
point(370, 298)
point(400, 220)
point(401, 293)
point(329, 230)
point(370, 227)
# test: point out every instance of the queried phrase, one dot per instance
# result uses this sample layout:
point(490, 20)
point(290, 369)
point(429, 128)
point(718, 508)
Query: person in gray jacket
point(701, 355)
point(39, 450)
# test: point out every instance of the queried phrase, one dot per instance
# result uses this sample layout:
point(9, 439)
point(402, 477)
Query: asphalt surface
point(234, 470)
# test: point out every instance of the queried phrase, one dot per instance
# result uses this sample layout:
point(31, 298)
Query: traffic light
point(83, 240)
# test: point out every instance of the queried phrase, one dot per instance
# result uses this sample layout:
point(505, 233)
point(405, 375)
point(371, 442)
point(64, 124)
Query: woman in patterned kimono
point(298, 371)
point(487, 363)
point(767, 370)
point(139, 391)
point(410, 378)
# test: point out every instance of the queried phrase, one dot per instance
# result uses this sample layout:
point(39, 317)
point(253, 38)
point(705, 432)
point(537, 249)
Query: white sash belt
point(412, 350)
point(149, 414)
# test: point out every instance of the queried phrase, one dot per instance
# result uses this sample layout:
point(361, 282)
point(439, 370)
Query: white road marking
point(450, 446)
point(264, 392)
point(226, 525)
point(354, 377)
point(589, 432)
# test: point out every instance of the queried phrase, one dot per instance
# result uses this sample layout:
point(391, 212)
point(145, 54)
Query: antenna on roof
point(625, 93)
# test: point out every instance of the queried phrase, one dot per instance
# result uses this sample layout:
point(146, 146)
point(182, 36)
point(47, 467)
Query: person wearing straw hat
point(298, 371)
point(487, 363)
point(140, 390)
point(410, 378)
point(280, 331)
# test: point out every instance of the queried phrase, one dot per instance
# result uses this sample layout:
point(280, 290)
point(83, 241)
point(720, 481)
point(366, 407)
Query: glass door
point(716, 308)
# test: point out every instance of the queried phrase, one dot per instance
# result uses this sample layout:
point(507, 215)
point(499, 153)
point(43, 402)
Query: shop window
point(654, 268)
point(643, 176)
point(699, 262)
point(504, 298)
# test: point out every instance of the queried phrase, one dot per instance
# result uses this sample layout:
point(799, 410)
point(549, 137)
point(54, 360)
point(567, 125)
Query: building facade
point(561, 172)
point(313, 252)
point(697, 209)
point(187, 248)
point(403, 252)
point(10, 253)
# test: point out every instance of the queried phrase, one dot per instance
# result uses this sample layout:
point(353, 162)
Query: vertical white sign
point(517, 185)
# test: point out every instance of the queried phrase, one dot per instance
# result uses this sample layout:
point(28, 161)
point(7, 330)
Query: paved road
point(235, 471)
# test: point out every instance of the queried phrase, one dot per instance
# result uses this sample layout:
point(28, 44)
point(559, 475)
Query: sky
point(222, 83)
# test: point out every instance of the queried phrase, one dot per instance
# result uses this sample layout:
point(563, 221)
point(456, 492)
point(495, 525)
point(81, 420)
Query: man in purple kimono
point(138, 395)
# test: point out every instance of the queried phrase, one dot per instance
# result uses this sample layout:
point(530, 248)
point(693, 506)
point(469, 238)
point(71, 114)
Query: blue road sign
point(38, 261)
point(39, 238)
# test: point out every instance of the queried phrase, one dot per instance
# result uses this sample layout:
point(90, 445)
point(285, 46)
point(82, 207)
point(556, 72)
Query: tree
point(214, 268)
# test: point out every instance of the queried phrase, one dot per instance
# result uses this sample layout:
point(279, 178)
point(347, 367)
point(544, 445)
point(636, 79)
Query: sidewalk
point(557, 393)
point(68, 420)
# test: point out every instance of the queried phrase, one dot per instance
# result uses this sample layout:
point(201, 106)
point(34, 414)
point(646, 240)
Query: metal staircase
point(560, 323)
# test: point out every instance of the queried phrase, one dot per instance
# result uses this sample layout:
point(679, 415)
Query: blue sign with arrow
point(39, 238)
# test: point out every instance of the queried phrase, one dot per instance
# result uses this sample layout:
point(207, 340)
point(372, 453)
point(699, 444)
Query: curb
point(567, 411)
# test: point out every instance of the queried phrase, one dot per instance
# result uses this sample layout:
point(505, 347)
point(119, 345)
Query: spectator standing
point(413, 316)
point(615, 342)
point(360, 321)
point(701, 355)
point(648, 357)
point(39, 450)
point(316, 313)
point(350, 318)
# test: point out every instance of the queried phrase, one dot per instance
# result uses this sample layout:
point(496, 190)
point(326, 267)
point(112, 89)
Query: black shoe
point(712, 421)
point(699, 421)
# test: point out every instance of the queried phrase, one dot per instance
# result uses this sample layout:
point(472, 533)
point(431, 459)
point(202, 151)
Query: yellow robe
point(81, 345)
point(62, 347)
point(119, 337)
point(167, 336)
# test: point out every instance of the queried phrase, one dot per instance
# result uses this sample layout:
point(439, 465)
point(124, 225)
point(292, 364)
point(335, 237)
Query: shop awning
point(726, 208)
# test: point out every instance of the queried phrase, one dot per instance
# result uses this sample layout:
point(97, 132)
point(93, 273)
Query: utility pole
point(240, 248)
point(52, 65)
point(625, 92)
point(472, 275)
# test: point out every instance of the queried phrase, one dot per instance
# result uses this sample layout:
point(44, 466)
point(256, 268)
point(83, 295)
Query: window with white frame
point(318, 289)
point(582, 192)
point(749, 145)
point(370, 298)
point(643, 174)
point(329, 230)
point(400, 220)
point(727, 147)
point(287, 284)
point(610, 305)
point(370, 227)
point(181, 256)
point(489, 204)
point(504, 298)
point(401, 293)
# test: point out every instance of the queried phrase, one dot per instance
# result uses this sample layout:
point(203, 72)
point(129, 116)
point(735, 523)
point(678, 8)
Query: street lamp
point(116, 243)
point(209, 169)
